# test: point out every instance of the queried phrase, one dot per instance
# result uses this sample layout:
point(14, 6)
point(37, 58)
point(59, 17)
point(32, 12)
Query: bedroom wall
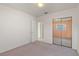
point(78, 33)
point(47, 22)
point(16, 28)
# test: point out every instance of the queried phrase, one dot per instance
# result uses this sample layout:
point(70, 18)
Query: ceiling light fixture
point(40, 4)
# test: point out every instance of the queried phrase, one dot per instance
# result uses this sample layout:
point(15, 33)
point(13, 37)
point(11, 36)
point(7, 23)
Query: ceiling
point(33, 9)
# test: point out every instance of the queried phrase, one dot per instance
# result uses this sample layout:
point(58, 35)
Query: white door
point(34, 30)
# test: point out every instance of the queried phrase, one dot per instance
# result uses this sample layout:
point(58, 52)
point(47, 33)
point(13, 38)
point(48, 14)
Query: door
point(62, 31)
point(57, 32)
point(34, 30)
point(67, 33)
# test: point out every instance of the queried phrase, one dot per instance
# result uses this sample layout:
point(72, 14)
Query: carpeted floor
point(40, 49)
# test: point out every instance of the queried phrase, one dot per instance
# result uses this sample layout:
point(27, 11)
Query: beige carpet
point(40, 49)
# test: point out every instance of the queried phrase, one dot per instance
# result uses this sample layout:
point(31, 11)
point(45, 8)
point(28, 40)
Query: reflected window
point(60, 27)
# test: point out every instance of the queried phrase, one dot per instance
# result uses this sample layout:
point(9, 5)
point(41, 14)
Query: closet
point(62, 31)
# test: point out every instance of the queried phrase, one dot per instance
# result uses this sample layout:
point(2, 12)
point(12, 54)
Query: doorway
point(62, 31)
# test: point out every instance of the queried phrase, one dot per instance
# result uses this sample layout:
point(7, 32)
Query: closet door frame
point(61, 32)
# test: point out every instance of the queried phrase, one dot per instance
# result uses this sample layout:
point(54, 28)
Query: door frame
point(61, 33)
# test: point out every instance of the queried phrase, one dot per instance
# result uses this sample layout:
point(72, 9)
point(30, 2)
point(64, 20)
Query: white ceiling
point(34, 10)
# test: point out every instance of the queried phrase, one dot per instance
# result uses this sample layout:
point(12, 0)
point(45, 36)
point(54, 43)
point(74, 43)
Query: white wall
point(47, 21)
point(78, 41)
point(78, 32)
point(15, 28)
